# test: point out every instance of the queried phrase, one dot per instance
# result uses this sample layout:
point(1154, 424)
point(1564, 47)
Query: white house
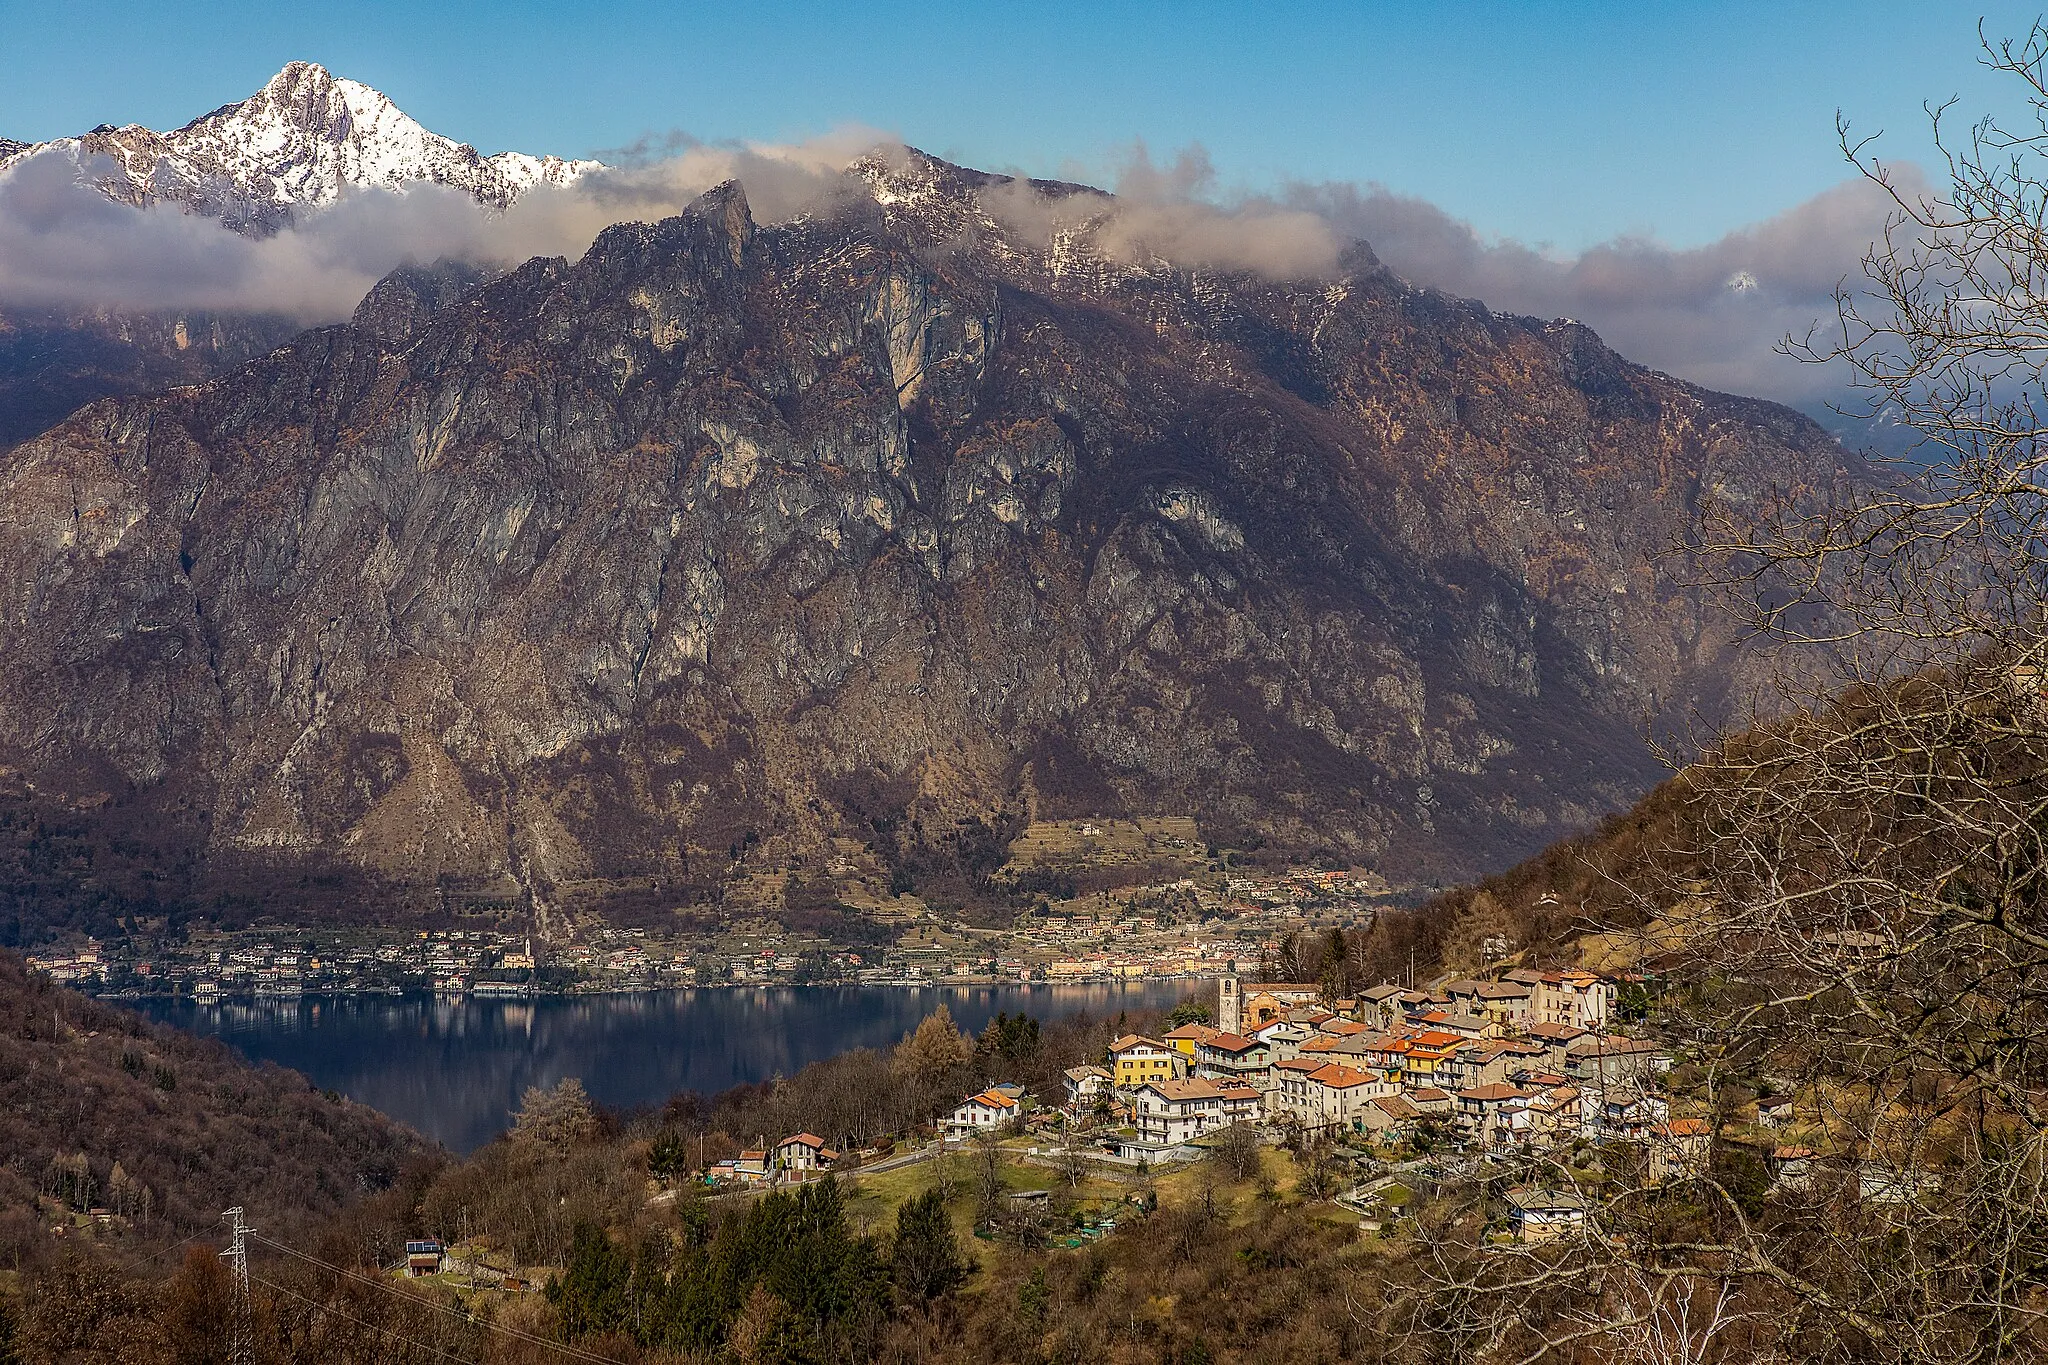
point(1540, 1215)
point(1085, 1085)
point(1331, 1096)
point(1578, 998)
point(989, 1109)
point(1173, 1112)
point(1242, 1103)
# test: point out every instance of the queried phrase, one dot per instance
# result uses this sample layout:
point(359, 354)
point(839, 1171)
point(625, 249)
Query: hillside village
point(1467, 1077)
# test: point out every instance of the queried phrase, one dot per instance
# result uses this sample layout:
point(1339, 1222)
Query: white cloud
point(1711, 314)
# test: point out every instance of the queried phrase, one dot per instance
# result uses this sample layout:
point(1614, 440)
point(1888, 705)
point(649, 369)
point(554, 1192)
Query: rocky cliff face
point(729, 539)
point(53, 361)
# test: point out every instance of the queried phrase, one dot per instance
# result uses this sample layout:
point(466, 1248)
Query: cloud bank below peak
point(1711, 314)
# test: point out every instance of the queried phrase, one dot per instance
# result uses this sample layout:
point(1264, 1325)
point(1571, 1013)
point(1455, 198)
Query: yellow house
point(1188, 1037)
point(1136, 1060)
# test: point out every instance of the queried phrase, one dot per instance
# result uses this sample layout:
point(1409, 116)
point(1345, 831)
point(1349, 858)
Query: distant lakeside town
point(1187, 928)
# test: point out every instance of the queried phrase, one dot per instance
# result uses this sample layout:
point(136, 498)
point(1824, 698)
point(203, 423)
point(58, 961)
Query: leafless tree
point(1857, 898)
point(1651, 1321)
point(1236, 1149)
point(1070, 1157)
point(1318, 1167)
point(987, 1161)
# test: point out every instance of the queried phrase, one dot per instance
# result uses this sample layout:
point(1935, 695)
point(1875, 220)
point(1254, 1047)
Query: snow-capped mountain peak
point(298, 144)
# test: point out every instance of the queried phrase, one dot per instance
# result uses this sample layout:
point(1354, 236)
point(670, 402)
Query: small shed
point(423, 1258)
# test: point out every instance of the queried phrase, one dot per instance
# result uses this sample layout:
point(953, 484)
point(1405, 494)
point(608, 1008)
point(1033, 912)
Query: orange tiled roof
point(1231, 1042)
point(1185, 1090)
point(1496, 1091)
point(994, 1099)
point(1339, 1077)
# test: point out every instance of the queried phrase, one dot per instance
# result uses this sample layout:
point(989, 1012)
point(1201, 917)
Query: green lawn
point(874, 1199)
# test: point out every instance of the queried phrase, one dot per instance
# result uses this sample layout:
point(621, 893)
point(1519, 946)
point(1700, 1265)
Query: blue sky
point(1557, 124)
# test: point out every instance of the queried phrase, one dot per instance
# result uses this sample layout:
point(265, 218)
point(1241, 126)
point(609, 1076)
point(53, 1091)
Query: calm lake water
point(454, 1068)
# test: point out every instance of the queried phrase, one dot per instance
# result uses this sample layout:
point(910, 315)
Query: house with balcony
point(1172, 1112)
point(1233, 1057)
point(803, 1154)
point(1086, 1086)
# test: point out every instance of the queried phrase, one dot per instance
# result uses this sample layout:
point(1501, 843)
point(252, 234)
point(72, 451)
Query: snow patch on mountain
point(298, 144)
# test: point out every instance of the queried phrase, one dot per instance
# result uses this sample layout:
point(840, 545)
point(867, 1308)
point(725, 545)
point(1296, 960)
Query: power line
point(332, 1311)
point(157, 1255)
point(378, 1282)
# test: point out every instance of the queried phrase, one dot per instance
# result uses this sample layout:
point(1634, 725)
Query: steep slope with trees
point(100, 1109)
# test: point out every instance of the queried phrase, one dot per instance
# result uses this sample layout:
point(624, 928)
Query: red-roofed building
point(1432, 1101)
point(1232, 1056)
point(1483, 1114)
point(804, 1153)
point(1791, 1167)
point(989, 1109)
point(1331, 1096)
point(1579, 998)
point(1241, 1103)
point(1679, 1148)
point(1390, 1116)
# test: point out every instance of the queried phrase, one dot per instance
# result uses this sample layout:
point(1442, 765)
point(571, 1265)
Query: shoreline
point(515, 996)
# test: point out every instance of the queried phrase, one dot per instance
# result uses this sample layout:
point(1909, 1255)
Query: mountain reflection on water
point(455, 1067)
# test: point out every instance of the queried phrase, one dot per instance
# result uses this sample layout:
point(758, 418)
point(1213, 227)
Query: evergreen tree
point(669, 1157)
point(926, 1261)
point(594, 1293)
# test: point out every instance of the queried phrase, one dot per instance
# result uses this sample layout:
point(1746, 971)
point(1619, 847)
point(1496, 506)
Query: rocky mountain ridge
point(893, 522)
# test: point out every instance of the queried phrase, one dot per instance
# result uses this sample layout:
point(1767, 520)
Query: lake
point(455, 1067)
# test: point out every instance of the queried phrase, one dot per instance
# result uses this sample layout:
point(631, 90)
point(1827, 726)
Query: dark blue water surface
point(454, 1068)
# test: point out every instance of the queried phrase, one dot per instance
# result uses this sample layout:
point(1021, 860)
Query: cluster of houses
point(796, 1158)
point(1502, 1068)
point(1518, 1064)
